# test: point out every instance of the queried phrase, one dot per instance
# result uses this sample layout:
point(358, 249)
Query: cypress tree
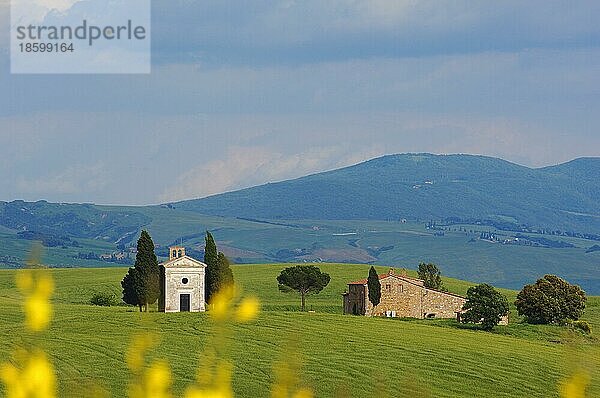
point(132, 288)
point(211, 259)
point(224, 273)
point(141, 285)
point(374, 287)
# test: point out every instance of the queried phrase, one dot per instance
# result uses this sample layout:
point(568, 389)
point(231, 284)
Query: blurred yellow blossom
point(287, 382)
point(213, 383)
point(221, 301)
point(575, 386)
point(303, 393)
point(24, 280)
point(248, 309)
point(35, 379)
point(155, 383)
point(222, 305)
point(136, 353)
point(37, 286)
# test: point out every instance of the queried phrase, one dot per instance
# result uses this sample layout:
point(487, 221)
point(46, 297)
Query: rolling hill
point(426, 186)
point(339, 355)
point(479, 218)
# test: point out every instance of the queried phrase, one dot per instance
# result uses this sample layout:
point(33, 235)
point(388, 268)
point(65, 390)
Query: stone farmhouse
point(402, 296)
point(182, 283)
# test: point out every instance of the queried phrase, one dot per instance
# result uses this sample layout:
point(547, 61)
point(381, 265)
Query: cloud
point(243, 167)
point(251, 92)
point(529, 82)
point(508, 138)
point(204, 154)
point(285, 31)
point(75, 179)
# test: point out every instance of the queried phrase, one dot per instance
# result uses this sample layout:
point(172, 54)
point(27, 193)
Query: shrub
point(484, 305)
point(551, 300)
point(582, 326)
point(104, 299)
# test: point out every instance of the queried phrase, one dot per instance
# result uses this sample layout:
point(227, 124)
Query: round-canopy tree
point(431, 276)
point(304, 279)
point(484, 305)
point(550, 300)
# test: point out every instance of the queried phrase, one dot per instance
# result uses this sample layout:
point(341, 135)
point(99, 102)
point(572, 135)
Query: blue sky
point(247, 92)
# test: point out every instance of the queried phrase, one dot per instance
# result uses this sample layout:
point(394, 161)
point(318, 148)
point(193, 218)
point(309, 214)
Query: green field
point(458, 254)
point(365, 356)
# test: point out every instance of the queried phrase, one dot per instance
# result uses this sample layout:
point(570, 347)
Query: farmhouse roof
point(383, 276)
point(415, 281)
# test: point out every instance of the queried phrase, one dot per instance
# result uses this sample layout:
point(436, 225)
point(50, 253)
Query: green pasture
point(348, 355)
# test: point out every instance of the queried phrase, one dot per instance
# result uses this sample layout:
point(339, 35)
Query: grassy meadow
point(458, 253)
point(343, 355)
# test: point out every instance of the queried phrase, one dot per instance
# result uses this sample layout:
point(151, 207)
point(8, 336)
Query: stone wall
point(174, 287)
point(398, 295)
point(441, 305)
point(405, 297)
point(354, 300)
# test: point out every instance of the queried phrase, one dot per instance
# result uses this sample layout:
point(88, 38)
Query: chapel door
point(184, 302)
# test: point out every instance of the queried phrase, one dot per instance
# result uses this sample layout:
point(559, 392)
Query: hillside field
point(339, 354)
point(460, 254)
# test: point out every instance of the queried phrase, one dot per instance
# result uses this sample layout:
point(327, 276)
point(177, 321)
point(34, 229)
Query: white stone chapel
point(182, 283)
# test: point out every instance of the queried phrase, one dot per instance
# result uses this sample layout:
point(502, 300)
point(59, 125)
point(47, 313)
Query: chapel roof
point(191, 262)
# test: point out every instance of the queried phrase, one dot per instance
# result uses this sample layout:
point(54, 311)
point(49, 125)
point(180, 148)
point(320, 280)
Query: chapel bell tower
point(176, 252)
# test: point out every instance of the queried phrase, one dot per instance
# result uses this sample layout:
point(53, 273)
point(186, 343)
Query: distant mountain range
point(424, 186)
point(421, 187)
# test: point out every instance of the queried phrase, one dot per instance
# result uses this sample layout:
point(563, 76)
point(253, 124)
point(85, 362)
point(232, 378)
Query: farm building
point(182, 283)
point(402, 296)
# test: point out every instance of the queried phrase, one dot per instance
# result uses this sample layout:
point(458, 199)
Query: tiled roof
point(414, 281)
point(383, 276)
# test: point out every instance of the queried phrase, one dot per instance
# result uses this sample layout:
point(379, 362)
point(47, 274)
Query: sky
point(247, 92)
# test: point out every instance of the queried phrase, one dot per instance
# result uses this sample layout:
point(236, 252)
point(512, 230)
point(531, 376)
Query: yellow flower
point(137, 351)
point(575, 386)
point(38, 312)
point(217, 384)
point(211, 393)
point(248, 309)
point(35, 380)
point(221, 301)
point(24, 280)
point(222, 305)
point(156, 383)
point(45, 285)
point(37, 287)
point(303, 393)
point(287, 383)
